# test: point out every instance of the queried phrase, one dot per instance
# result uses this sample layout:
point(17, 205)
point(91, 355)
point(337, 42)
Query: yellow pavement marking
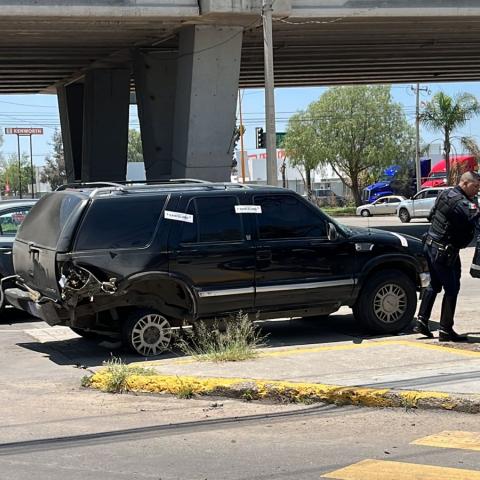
point(452, 439)
point(386, 470)
point(332, 348)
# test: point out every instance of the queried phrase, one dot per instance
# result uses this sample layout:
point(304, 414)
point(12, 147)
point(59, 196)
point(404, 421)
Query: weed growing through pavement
point(239, 341)
point(119, 372)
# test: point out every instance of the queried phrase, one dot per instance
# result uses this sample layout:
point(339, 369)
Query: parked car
point(328, 198)
point(383, 206)
point(138, 262)
point(12, 213)
point(420, 205)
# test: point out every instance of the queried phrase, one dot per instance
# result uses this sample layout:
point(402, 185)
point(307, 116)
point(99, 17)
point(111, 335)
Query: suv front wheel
point(147, 332)
point(387, 302)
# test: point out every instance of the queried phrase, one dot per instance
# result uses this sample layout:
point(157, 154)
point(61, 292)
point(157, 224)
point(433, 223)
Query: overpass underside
point(186, 59)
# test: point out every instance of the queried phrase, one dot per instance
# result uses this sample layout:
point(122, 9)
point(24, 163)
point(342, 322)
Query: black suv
point(141, 261)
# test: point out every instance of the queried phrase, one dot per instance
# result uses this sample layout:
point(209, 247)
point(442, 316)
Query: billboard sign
point(23, 131)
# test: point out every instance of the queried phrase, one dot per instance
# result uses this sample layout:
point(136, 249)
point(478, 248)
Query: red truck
point(437, 176)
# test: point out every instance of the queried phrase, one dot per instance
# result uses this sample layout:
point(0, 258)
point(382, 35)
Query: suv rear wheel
point(403, 215)
point(147, 332)
point(387, 302)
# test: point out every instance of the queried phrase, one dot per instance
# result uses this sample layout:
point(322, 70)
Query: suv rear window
point(122, 223)
point(48, 218)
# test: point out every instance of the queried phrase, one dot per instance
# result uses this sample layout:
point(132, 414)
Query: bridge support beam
point(70, 102)
point(155, 80)
point(187, 103)
point(205, 102)
point(105, 125)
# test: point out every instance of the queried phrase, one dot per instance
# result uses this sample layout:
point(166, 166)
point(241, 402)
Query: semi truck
point(390, 183)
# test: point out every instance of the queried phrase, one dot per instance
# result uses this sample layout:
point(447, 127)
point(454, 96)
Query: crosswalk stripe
point(452, 439)
point(386, 470)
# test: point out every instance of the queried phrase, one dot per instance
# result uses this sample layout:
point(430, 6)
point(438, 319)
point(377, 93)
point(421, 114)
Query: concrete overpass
point(186, 59)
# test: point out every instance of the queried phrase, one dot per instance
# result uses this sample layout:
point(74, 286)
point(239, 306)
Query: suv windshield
point(48, 218)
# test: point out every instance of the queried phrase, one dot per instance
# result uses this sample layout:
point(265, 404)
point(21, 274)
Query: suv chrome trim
point(230, 291)
point(275, 288)
point(306, 286)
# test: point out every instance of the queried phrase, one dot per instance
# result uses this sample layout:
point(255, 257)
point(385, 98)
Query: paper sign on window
point(248, 209)
point(179, 217)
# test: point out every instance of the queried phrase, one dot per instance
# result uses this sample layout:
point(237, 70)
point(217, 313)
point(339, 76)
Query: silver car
point(420, 205)
point(382, 206)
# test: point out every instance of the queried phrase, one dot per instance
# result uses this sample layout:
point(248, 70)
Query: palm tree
point(446, 114)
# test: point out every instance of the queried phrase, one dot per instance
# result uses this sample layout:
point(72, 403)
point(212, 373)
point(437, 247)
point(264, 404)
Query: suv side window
point(120, 223)
point(432, 194)
point(284, 216)
point(214, 220)
point(419, 196)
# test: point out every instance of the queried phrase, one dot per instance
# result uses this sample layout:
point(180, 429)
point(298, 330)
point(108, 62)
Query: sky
point(42, 111)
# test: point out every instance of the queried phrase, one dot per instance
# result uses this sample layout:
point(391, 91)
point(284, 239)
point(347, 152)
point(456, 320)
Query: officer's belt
point(441, 246)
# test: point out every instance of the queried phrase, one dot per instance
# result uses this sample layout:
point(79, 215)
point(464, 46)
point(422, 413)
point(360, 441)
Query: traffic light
point(260, 138)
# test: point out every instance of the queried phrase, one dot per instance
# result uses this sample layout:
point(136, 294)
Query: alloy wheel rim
point(151, 334)
point(390, 303)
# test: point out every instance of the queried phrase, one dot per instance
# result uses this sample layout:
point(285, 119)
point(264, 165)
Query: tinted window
point(431, 193)
point(120, 222)
point(48, 218)
point(11, 220)
point(284, 216)
point(214, 220)
point(419, 196)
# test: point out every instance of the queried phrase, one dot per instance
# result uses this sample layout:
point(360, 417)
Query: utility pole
point(19, 167)
point(418, 169)
point(272, 177)
point(241, 130)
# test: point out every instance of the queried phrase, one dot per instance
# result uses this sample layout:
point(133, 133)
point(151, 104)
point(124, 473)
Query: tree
point(301, 147)
point(54, 170)
point(357, 130)
point(135, 150)
point(446, 114)
point(9, 177)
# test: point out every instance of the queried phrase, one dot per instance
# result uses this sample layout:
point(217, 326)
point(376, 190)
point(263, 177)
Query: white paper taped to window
point(248, 209)
point(178, 216)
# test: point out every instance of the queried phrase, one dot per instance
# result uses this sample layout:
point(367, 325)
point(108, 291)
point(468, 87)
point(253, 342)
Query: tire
point(147, 332)
point(404, 216)
point(365, 213)
point(387, 302)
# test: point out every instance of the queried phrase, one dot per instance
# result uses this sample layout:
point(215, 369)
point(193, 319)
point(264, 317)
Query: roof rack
point(79, 185)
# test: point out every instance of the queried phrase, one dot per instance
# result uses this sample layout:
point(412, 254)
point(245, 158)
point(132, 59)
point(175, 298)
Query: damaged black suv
point(139, 261)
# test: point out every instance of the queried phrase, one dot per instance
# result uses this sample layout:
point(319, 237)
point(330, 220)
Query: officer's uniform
point(453, 218)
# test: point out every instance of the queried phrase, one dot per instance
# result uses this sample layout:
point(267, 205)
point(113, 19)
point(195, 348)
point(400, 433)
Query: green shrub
point(238, 341)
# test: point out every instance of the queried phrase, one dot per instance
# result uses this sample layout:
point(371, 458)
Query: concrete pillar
point(208, 69)
point(105, 125)
point(70, 102)
point(155, 82)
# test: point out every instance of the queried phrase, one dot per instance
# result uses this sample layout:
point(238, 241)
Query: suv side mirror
point(332, 233)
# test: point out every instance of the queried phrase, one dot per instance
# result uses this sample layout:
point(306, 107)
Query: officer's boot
point(424, 312)
point(446, 333)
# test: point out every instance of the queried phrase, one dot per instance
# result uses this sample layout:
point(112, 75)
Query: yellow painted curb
point(285, 392)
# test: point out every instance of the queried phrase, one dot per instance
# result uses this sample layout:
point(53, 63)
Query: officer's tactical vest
point(442, 229)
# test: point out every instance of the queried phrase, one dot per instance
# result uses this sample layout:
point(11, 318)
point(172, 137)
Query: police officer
point(454, 218)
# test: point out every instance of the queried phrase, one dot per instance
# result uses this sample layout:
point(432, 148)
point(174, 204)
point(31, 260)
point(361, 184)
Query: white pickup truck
point(420, 205)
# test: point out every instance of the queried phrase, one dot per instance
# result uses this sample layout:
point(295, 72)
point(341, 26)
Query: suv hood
point(388, 239)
